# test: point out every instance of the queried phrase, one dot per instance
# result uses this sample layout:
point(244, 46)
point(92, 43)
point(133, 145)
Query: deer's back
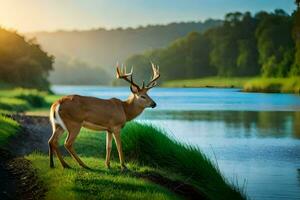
point(108, 112)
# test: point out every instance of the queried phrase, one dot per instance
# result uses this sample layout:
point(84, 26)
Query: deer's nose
point(153, 105)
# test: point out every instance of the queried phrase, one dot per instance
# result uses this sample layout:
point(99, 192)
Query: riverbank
point(273, 85)
point(158, 166)
point(214, 82)
point(248, 84)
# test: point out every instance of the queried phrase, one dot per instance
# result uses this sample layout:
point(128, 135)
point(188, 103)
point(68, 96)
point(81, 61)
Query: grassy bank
point(21, 100)
point(276, 85)
point(220, 82)
point(146, 148)
point(249, 84)
point(8, 128)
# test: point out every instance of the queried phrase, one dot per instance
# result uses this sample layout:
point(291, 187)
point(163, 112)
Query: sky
point(51, 15)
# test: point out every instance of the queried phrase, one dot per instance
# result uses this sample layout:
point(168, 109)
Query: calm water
point(253, 137)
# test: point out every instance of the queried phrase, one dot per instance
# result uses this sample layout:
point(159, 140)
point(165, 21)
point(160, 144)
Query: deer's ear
point(134, 89)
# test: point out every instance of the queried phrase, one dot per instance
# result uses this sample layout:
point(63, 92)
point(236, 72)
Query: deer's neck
point(132, 110)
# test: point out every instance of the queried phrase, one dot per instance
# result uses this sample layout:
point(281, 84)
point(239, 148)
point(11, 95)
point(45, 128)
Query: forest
point(264, 44)
point(243, 45)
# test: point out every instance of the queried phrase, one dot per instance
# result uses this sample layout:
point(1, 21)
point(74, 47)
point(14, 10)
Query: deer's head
point(139, 94)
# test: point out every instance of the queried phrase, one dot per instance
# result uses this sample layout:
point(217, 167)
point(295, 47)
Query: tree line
point(22, 62)
point(266, 44)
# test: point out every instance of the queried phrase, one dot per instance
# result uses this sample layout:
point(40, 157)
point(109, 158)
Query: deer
point(71, 113)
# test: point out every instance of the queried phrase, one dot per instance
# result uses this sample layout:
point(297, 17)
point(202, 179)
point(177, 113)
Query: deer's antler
point(155, 76)
point(121, 74)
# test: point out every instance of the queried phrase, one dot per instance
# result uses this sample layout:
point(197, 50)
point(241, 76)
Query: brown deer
point(72, 112)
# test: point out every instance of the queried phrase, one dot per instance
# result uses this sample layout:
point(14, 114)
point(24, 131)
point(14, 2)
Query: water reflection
point(248, 123)
point(261, 147)
point(298, 170)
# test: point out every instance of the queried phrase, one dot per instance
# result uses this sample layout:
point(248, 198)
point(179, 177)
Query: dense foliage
point(23, 63)
point(264, 44)
point(296, 36)
point(275, 43)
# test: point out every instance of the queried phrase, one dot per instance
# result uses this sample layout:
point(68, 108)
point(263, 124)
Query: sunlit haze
point(42, 15)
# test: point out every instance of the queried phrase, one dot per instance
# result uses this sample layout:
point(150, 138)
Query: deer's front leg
point(117, 137)
point(108, 148)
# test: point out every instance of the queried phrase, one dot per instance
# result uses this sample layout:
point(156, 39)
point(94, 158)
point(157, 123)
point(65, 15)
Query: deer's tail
point(55, 117)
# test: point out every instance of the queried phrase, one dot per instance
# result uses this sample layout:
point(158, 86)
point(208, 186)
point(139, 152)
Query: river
point(254, 138)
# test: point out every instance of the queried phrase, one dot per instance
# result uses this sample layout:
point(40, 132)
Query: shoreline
point(246, 84)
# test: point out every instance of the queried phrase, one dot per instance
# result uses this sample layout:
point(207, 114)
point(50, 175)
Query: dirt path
point(20, 177)
point(8, 187)
point(33, 137)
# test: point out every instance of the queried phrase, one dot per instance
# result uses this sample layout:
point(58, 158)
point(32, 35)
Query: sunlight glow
point(36, 15)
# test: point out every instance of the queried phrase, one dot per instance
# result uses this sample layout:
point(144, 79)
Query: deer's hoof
point(107, 165)
point(124, 168)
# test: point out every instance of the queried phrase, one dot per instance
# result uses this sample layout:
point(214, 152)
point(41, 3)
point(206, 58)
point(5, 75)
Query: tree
point(274, 43)
point(244, 45)
point(297, 2)
point(296, 37)
point(187, 57)
point(234, 51)
point(23, 63)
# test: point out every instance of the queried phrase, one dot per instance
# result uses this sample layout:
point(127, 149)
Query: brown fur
point(97, 114)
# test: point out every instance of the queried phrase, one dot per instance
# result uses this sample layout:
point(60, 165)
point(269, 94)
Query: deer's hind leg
point(53, 146)
point(117, 138)
point(108, 148)
point(74, 130)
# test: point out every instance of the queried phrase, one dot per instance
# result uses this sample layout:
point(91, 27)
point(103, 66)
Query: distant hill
point(102, 48)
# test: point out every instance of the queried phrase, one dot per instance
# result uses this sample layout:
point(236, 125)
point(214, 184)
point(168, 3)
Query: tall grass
point(8, 128)
point(148, 145)
point(285, 85)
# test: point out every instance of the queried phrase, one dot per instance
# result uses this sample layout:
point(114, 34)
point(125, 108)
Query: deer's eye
point(143, 97)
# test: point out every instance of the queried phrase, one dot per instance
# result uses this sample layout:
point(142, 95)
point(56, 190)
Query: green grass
point(220, 82)
point(150, 146)
point(30, 101)
point(145, 148)
point(8, 128)
point(284, 85)
point(20, 100)
point(44, 111)
point(99, 183)
point(13, 104)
